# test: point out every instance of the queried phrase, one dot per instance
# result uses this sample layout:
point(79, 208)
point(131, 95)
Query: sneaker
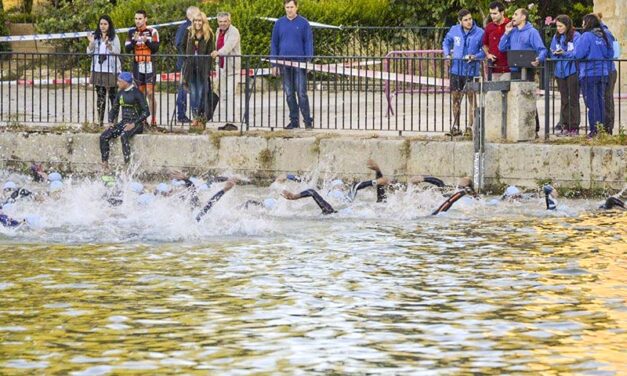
point(308, 126)
point(454, 132)
point(184, 120)
point(228, 127)
point(592, 134)
point(291, 126)
point(468, 132)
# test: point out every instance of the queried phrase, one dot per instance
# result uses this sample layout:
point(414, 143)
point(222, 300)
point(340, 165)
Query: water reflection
point(332, 297)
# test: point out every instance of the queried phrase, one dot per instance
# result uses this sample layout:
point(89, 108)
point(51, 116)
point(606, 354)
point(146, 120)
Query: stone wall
point(613, 12)
point(260, 156)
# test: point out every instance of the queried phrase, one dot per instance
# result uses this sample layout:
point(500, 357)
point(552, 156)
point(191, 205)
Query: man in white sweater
point(228, 64)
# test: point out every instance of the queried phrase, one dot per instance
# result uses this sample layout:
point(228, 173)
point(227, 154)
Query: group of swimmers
point(188, 189)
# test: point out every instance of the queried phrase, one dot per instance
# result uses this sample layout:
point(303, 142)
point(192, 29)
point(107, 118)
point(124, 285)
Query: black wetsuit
point(613, 203)
point(8, 221)
point(18, 193)
point(446, 205)
point(207, 207)
point(135, 111)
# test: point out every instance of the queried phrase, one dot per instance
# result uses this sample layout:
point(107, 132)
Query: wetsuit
point(322, 204)
point(212, 201)
point(18, 193)
point(551, 204)
point(446, 205)
point(613, 203)
point(135, 111)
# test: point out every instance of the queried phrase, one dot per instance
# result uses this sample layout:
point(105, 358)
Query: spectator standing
point(562, 49)
point(197, 64)
point(143, 42)
point(463, 44)
point(134, 112)
point(594, 48)
point(609, 90)
point(228, 51)
point(104, 44)
point(491, 38)
point(292, 40)
point(179, 41)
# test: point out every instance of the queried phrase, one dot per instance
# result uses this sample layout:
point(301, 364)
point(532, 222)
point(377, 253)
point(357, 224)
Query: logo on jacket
point(458, 41)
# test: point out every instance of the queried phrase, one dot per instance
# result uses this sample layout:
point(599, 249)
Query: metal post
point(547, 80)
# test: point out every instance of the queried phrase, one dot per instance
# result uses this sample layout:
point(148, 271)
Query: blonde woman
point(198, 62)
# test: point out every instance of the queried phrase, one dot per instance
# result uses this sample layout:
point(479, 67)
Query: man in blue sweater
point(292, 39)
point(521, 35)
point(463, 44)
point(181, 95)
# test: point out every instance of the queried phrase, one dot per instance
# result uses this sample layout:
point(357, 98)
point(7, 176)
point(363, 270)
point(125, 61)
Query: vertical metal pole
point(546, 99)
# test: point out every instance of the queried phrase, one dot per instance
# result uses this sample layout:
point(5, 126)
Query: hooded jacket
point(459, 44)
point(527, 38)
point(591, 46)
point(565, 65)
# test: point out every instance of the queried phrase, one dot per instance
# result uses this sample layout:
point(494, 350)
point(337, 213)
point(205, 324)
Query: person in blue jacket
point(562, 49)
point(463, 44)
point(593, 48)
point(521, 35)
point(608, 123)
point(292, 40)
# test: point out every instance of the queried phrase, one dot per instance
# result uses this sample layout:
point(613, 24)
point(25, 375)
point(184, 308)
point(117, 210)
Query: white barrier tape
point(162, 77)
point(313, 24)
point(25, 38)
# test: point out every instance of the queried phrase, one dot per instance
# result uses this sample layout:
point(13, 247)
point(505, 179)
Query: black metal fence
point(401, 91)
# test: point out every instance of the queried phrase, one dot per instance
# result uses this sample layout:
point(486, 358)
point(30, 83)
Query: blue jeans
point(295, 82)
point(181, 102)
point(197, 95)
point(593, 90)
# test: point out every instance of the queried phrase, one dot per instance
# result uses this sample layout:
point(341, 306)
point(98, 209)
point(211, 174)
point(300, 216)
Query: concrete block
point(493, 115)
point(156, 151)
point(432, 158)
point(608, 166)
point(241, 153)
point(347, 157)
point(521, 112)
point(294, 154)
point(35, 147)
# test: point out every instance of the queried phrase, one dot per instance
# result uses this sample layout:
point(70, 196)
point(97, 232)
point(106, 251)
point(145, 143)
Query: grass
point(602, 139)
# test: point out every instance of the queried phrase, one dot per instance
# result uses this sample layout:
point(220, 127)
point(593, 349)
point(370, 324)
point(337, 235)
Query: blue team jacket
point(565, 66)
point(464, 43)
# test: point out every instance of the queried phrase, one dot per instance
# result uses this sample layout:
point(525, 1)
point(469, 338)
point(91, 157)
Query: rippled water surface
point(376, 291)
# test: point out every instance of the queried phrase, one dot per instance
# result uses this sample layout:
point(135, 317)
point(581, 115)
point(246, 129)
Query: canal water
point(491, 287)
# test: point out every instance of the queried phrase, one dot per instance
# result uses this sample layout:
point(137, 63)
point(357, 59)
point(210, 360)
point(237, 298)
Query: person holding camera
point(104, 44)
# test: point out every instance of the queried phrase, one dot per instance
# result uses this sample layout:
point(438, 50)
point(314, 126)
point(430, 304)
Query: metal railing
point(402, 91)
point(389, 93)
point(565, 111)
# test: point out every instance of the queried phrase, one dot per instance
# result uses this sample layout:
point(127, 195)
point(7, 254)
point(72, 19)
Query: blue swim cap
point(511, 191)
point(55, 176)
point(126, 76)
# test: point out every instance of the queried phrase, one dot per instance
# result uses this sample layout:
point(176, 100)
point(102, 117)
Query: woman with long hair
point(562, 50)
point(198, 63)
point(593, 49)
point(104, 44)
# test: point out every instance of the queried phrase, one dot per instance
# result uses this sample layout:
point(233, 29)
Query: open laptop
point(521, 58)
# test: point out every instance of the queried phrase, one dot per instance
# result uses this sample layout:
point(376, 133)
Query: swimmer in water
point(227, 187)
point(466, 187)
point(379, 182)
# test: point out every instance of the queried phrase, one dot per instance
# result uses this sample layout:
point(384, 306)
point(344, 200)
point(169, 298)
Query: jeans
point(295, 82)
point(181, 102)
point(609, 103)
point(197, 95)
point(593, 90)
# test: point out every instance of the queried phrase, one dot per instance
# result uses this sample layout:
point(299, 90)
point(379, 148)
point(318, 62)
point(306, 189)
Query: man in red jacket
point(491, 38)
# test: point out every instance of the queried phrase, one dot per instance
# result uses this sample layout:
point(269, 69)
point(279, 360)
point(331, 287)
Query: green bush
point(4, 30)
point(20, 17)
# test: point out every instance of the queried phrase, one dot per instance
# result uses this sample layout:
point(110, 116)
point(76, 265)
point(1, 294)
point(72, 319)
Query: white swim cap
point(511, 191)
point(136, 187)
point(336, 182)
point(9, 185)
point(55, 186)
point(163, 188)
point(269, 203)
point(337, 194)
point(55, 176)
point(145, 198)
point(177, 183)
point(203, 187)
